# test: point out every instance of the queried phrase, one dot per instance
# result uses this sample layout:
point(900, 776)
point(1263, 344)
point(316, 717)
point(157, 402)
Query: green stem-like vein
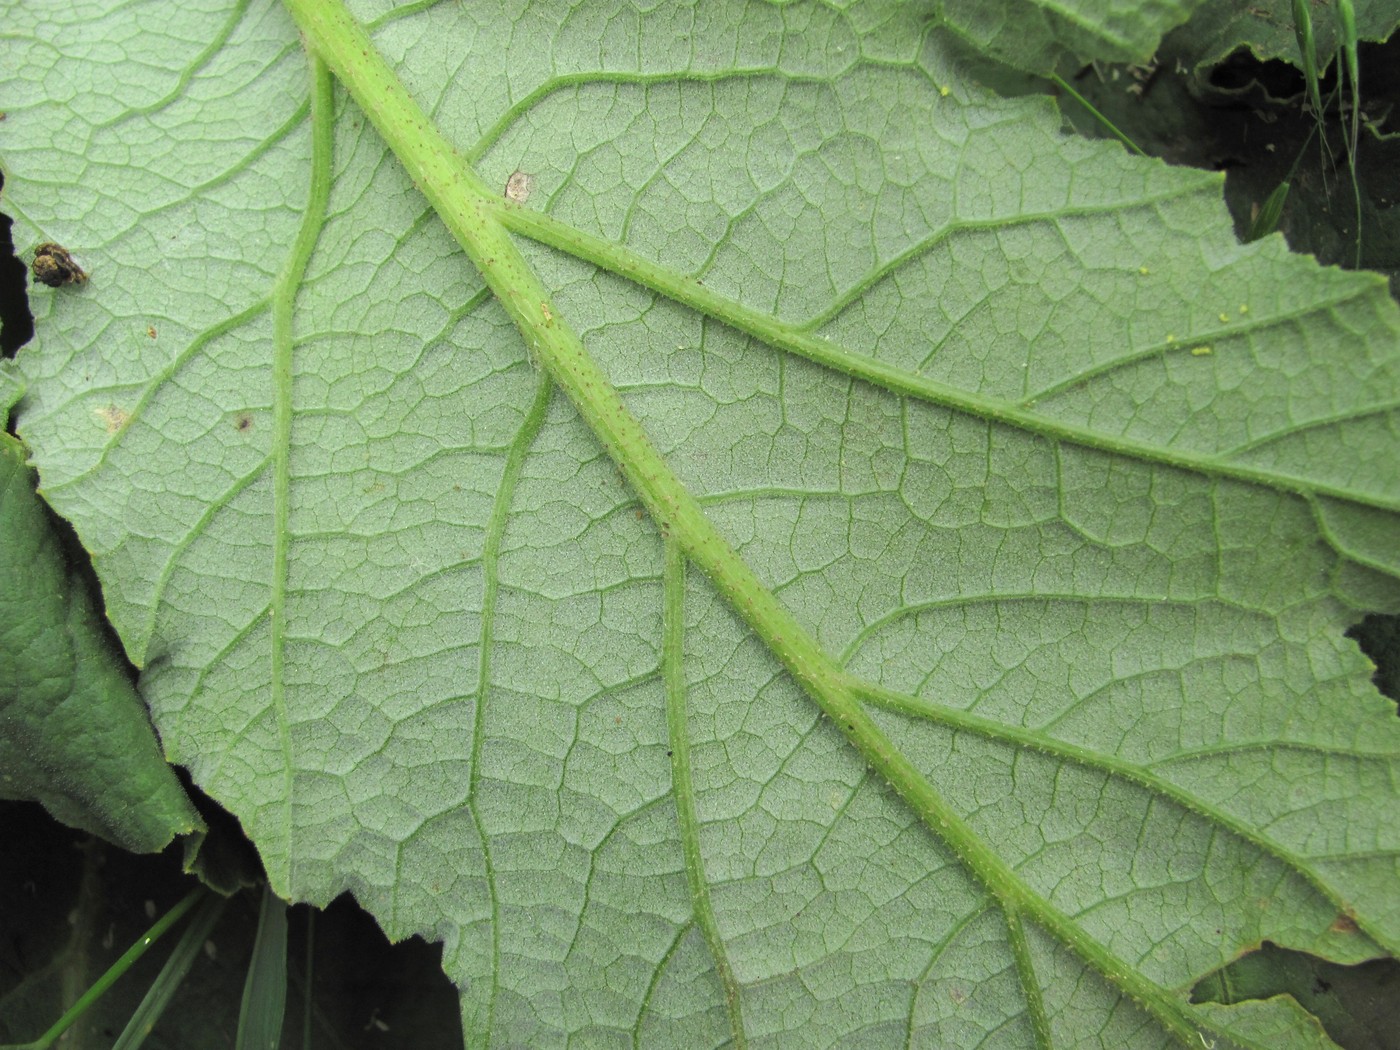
point(283, 300)
point(470, 212)
point(678, 737)
point(1030, 985)
point(480, 1026)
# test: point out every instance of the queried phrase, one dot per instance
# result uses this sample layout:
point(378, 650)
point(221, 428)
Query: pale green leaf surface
point(1265, 28)
point(1093, 583)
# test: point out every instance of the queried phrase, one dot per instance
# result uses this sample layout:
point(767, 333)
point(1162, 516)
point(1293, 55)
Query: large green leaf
point(1068, 498)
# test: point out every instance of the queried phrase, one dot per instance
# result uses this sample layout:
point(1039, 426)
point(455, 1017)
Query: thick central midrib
point(688, 291)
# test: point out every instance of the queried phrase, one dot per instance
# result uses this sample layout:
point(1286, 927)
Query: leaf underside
point(1079, 490)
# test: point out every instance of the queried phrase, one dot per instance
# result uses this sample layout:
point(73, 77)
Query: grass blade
point(1346, 19)
point(1307, 52)
point(306, 998)
point(114, 971)
point(1266, 222)
point(1307, 49)
point(1064, 86)
point(265, 991)
point(172, 974)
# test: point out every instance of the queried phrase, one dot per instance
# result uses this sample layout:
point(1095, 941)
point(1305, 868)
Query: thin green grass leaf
point(265, 991)
point(100, 986)
point(172, 975)
point(306, 996)
point(1267, 219)
point(1266, 222)
point(1307, 50)
point(1113, 129)
point(1346, 20)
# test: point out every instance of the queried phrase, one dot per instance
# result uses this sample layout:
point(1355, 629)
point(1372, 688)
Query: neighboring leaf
point(1265, 27)
point(1358, 1004)
point(11, 390)
point(1080, 492)
point(74, 734)
point(1041, 35)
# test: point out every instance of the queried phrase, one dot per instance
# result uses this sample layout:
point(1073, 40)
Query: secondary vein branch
point(283, 300)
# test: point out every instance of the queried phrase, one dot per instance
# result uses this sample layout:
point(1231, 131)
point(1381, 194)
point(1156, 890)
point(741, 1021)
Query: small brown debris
point(519, 187)
point(54, 267)
point(1343, 923)
point(151, 331)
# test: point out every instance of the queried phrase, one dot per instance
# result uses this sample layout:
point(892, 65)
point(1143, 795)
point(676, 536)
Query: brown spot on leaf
point(1343, 923)
point(243, 422)
point(151, 331)
point(112, 417)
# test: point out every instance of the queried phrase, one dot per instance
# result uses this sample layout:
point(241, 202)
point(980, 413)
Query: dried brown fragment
point(54, 267)
point(112, 417)
point(519, 187)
